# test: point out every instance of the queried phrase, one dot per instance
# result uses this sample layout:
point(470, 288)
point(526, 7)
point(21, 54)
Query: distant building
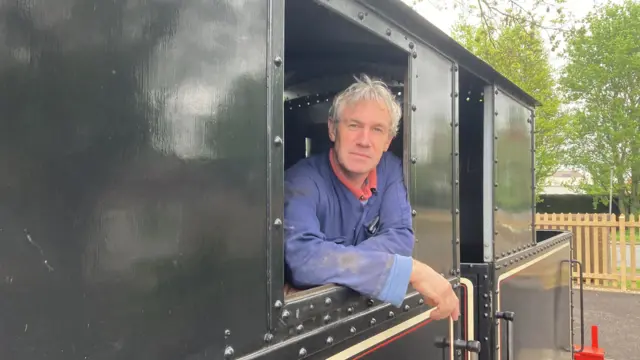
point(560, 182)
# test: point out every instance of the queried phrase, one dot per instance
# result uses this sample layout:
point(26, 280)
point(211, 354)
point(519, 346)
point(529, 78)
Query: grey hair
point(367, 89)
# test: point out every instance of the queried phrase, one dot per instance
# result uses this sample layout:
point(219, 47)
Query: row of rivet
point(539, 249)
point(352, 329)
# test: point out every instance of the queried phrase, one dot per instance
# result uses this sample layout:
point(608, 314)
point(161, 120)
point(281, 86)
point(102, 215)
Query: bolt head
point(228, 352)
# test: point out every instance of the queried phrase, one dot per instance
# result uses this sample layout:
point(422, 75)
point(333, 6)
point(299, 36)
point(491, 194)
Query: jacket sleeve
point(315, 261)
point(395, 235)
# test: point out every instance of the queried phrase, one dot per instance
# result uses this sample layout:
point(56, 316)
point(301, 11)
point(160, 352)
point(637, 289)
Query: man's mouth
point(364, 156)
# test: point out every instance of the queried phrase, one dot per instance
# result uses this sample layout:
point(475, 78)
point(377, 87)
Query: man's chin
point(359, 169)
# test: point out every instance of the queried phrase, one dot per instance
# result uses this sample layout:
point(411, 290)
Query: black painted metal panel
point(417, 342)
point(432, 153)
point(484, 327)
point(535, 286)
point(513, 179)
point(133, 192)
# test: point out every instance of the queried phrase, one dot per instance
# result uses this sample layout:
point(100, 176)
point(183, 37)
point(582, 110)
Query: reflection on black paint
point(431, 191)
point(132, 161)
point(513, 195)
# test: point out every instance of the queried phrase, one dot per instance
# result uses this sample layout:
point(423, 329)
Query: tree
point(534, 17)
point(602, 79)
point(520, 55)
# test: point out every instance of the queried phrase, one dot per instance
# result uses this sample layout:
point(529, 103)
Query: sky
point(445, 19)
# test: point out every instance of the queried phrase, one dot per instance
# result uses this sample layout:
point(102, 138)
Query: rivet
point(228, 352)
point(350, 310)
point(455, 67)
point(457, 182)
point(413, 213)
point(278, 304)
point(277, 141)
point(373, 321)
point(495, 208)
point(327, 318)
point(407, 308)
point(277, 61)
point(411, 45)
point(457, 241)
point(496, 92)
point(503, 254)
point(391, 314)
point(388, 32)
point(486, 338)
point(227, 333)
point(285, 314)
point(496, 113)
point(329, 340)
point(327, 301)
point(300, 328)
point(495, 184)
point(457, 211)
point(268, 337)
point(352, 330)
point(361, 15)
point(414, 54)
point(485, 315)
point(369, 302)
point(485, 295)
point(302, 352)
point(452, 272)
point(455, 94)
point(277, 222)
point(486, 276)
point(421, 301)
point(414, 107)
point(414, 160)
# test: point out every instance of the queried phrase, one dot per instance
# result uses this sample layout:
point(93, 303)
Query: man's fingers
point(438, 314)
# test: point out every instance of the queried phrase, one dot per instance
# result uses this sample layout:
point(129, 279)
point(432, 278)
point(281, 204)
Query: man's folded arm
point(314, 261)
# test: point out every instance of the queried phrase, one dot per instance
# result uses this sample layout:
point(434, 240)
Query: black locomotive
point(142, 152)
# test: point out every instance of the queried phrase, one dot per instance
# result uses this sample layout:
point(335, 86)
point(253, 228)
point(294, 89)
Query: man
point(347, 216)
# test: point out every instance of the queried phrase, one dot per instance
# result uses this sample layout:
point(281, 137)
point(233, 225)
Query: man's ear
point(332, 130)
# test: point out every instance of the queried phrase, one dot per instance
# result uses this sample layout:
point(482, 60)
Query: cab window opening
point(323, 53)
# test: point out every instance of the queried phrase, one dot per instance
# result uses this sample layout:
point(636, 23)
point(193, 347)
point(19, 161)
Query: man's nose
point(364, 138)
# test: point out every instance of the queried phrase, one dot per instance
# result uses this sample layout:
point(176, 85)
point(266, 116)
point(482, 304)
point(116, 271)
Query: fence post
point(623, 252)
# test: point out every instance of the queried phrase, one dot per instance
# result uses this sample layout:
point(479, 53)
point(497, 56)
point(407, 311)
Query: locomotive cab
point(143, 147)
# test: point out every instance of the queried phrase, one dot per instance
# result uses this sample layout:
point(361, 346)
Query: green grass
point(627, 236)
point(609, 284)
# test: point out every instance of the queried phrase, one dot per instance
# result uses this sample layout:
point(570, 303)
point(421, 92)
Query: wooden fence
point(605, 244)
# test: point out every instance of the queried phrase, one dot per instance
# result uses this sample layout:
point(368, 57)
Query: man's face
point(361, 135)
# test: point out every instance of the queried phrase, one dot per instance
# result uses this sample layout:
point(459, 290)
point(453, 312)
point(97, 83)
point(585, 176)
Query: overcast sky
point(444, 19)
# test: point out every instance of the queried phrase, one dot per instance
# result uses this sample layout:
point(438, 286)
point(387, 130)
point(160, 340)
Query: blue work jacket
point(332, 236)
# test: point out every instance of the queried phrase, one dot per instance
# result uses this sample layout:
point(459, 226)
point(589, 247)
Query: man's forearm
point(377, 274)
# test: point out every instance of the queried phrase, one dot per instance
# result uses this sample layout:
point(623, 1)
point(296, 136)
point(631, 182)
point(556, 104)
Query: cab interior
point(323, 52)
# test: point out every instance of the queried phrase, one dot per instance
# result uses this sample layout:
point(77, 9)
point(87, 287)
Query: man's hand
point(436, 290)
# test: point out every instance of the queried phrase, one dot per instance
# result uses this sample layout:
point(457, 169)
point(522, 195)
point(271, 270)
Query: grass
point(627, 236)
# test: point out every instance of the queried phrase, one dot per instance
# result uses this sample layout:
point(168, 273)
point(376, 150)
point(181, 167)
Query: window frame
point(328, 299)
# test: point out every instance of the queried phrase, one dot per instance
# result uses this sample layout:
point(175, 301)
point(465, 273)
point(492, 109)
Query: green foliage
point(602, 78)
point(536, 17)
point(519, 54)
